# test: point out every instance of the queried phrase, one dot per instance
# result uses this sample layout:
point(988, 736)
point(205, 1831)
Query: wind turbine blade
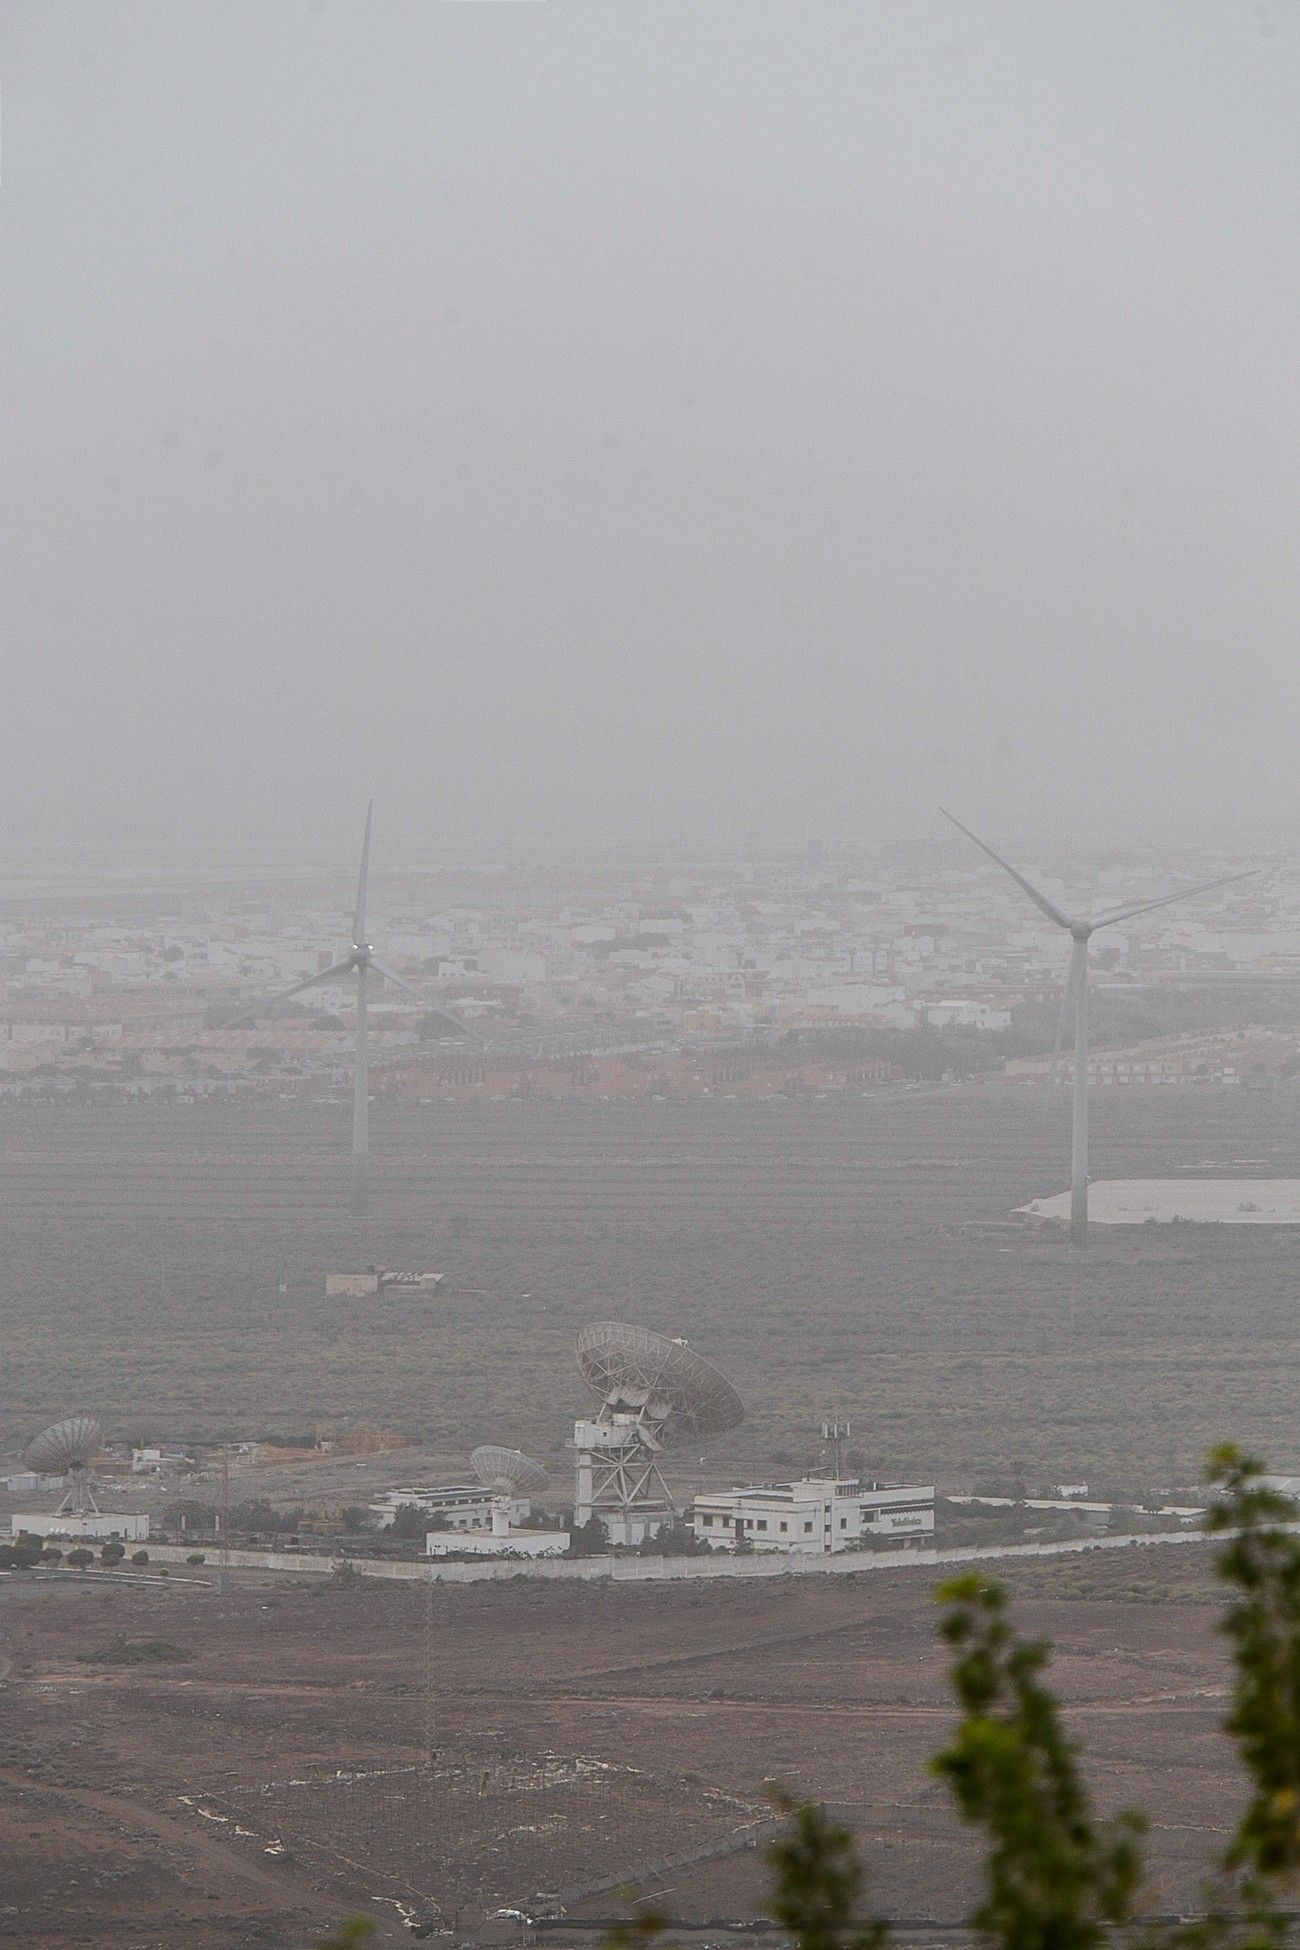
point(1041, 902)
point(399, 981)
point(432, 1009)
point(359, 913)
point(1183, 894)
point(283, 995)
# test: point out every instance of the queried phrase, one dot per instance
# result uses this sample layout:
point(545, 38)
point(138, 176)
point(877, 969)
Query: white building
point(512, 967)
point(818, 1514)
point(959, 1012)
point(462, 1506)
point(26, 1482)
point(110, 1528)
point(152, 1461)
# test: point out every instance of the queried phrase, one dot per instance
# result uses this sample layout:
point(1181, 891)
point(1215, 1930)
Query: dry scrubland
point(581, 1734)
point(584, 1732)
point(855, 1254)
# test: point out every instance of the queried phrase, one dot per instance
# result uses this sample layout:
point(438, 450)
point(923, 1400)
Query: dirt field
point(579, 1734)
point(856, 1255)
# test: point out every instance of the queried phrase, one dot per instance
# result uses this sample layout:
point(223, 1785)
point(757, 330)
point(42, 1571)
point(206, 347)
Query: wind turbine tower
point(359, 960)
point(1081, 931)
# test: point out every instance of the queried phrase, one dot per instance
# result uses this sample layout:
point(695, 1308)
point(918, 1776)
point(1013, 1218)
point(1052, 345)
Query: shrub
point(188, 1516)
point(196, 1558)
point(139, 1559)
point(676, 1539)
point(112, 1554)
point(79, 1558)
point(349, 1935)
point(411, 1523)
point(345, 1577)
point(135, 1652)
point(590, 1539)
point(255, 1517)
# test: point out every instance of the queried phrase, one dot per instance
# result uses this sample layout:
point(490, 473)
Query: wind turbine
point(359, 960)
point(1081, 932)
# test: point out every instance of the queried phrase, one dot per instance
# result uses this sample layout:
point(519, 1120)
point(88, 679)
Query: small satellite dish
point(635, 1371)
point(507, 1472)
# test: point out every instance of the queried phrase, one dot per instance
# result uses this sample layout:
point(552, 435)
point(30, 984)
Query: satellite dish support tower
point(644, 1382)
point(618, 1476)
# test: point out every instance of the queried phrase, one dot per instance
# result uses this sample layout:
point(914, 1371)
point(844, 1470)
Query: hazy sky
point(643, 423)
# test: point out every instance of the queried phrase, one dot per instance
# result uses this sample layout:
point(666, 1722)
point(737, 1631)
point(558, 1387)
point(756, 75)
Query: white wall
point(42, 1523)
point(655, 1570)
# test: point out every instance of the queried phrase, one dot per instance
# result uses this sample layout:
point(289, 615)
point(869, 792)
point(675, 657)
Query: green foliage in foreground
point(1261, 1564)
point(349, 1936)
point(1056, 1877)
point(816, 1881)
point(1053, 1874)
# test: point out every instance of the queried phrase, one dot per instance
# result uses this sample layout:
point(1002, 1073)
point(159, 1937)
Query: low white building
point(110, 1528)
point(817, 1514)
point(462, 1506)
point(962, 1013)
point(26, 1482)
point(152, 1461)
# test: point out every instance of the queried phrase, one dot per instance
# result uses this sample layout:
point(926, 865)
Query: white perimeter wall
point(651, 1570)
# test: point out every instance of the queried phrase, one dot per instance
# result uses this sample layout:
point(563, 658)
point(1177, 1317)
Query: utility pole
point(430, 1710)
point(223, 1565)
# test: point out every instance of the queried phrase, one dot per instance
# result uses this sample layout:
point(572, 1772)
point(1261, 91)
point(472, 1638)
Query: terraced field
point(855, 1255)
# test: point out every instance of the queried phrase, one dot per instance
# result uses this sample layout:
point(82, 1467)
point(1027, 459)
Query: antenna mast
point(834, 1434)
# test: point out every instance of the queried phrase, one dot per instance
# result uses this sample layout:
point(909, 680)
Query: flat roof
point(411, 1493)
point(1198, 1201)
point(816, 1489)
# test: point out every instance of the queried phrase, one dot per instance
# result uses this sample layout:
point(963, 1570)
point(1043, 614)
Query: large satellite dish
point(507, 1472)
point(65, 1447)
point(638, 1372)
point(68, 1449)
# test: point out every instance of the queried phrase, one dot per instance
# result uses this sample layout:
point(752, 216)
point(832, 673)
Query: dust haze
point(546, 1191)
point(639, 428)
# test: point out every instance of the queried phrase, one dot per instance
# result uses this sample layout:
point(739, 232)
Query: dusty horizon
point(627, 430)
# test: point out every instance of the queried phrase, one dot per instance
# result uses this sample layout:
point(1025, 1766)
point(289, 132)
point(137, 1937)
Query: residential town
point(612, 982)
